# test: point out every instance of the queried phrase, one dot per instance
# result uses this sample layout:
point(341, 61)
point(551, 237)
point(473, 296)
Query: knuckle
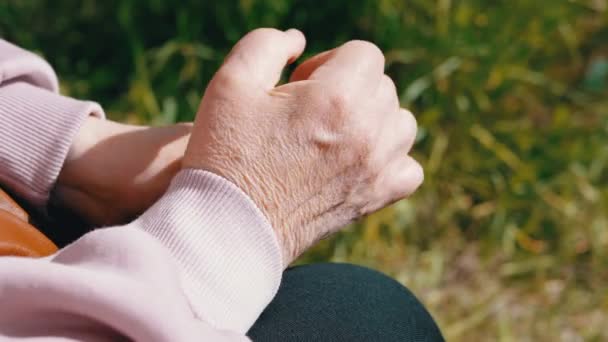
point(417, 173)
point(389, 84)
point(410, 179)
point(225, 79)
point(416, 176)
point(366, 48)
point(410, 127)
point(388, 91)
point(339, 103)
point(410, 121)
point(361, 144)
point(363, 45)
point(265, 33)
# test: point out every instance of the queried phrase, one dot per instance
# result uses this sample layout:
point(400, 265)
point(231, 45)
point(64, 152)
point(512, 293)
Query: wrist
point(93, 131)
point(114, 171)
point(85, 139)
point(227, 252)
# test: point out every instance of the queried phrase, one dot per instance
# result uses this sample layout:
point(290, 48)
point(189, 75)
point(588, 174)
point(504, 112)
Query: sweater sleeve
point(37, 124)
point(201, 264)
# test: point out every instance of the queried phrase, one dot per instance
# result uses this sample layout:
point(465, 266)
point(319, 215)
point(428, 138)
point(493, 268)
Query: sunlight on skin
point(115, 171)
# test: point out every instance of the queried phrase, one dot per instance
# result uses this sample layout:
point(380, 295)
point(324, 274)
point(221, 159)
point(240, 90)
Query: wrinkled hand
point(114, 172)
point(315, 153)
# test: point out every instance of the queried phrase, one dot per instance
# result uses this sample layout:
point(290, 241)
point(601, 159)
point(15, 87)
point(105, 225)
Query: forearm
point(200, 262)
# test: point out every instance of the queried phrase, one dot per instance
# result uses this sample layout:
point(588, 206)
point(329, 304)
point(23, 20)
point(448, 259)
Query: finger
point(396, 135)
point(403, 130)
point(401, 178)
point(260, 57)
point(304, 70)
point(383, 108)
point(386, 94)
point(355, 66)
point(398, 179)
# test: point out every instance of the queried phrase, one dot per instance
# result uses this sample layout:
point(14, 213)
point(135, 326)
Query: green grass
point(508, 237)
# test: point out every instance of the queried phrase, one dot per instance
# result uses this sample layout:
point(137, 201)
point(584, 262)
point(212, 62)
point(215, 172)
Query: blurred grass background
point(507, 240)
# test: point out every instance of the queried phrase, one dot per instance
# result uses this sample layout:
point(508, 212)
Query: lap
point(341, 302)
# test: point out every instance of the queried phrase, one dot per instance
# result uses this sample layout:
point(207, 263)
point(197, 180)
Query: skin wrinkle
point(311, 154)
point(321, 217)
point(288, 199)
point(315, 197)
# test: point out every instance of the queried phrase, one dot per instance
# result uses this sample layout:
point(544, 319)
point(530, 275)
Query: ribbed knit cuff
point(37, 127)
point(227, 252)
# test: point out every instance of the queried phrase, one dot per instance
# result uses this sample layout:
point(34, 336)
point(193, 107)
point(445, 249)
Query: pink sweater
point(200, 265)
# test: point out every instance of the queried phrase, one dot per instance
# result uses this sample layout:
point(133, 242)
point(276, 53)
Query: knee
point(349, 302)
point(374, 303)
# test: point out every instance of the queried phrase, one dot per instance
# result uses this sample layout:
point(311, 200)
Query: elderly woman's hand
point(114, 172)
point(315, 153)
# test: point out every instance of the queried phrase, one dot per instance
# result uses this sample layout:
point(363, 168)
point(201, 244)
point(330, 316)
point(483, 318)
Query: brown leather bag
point(17, 236)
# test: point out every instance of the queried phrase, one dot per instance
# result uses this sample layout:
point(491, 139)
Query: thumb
point(260, 57)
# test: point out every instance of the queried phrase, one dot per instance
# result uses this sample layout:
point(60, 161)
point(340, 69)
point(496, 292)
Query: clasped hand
point(313, 154)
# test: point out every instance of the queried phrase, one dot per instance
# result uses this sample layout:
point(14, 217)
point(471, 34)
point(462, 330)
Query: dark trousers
point(342, 302)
